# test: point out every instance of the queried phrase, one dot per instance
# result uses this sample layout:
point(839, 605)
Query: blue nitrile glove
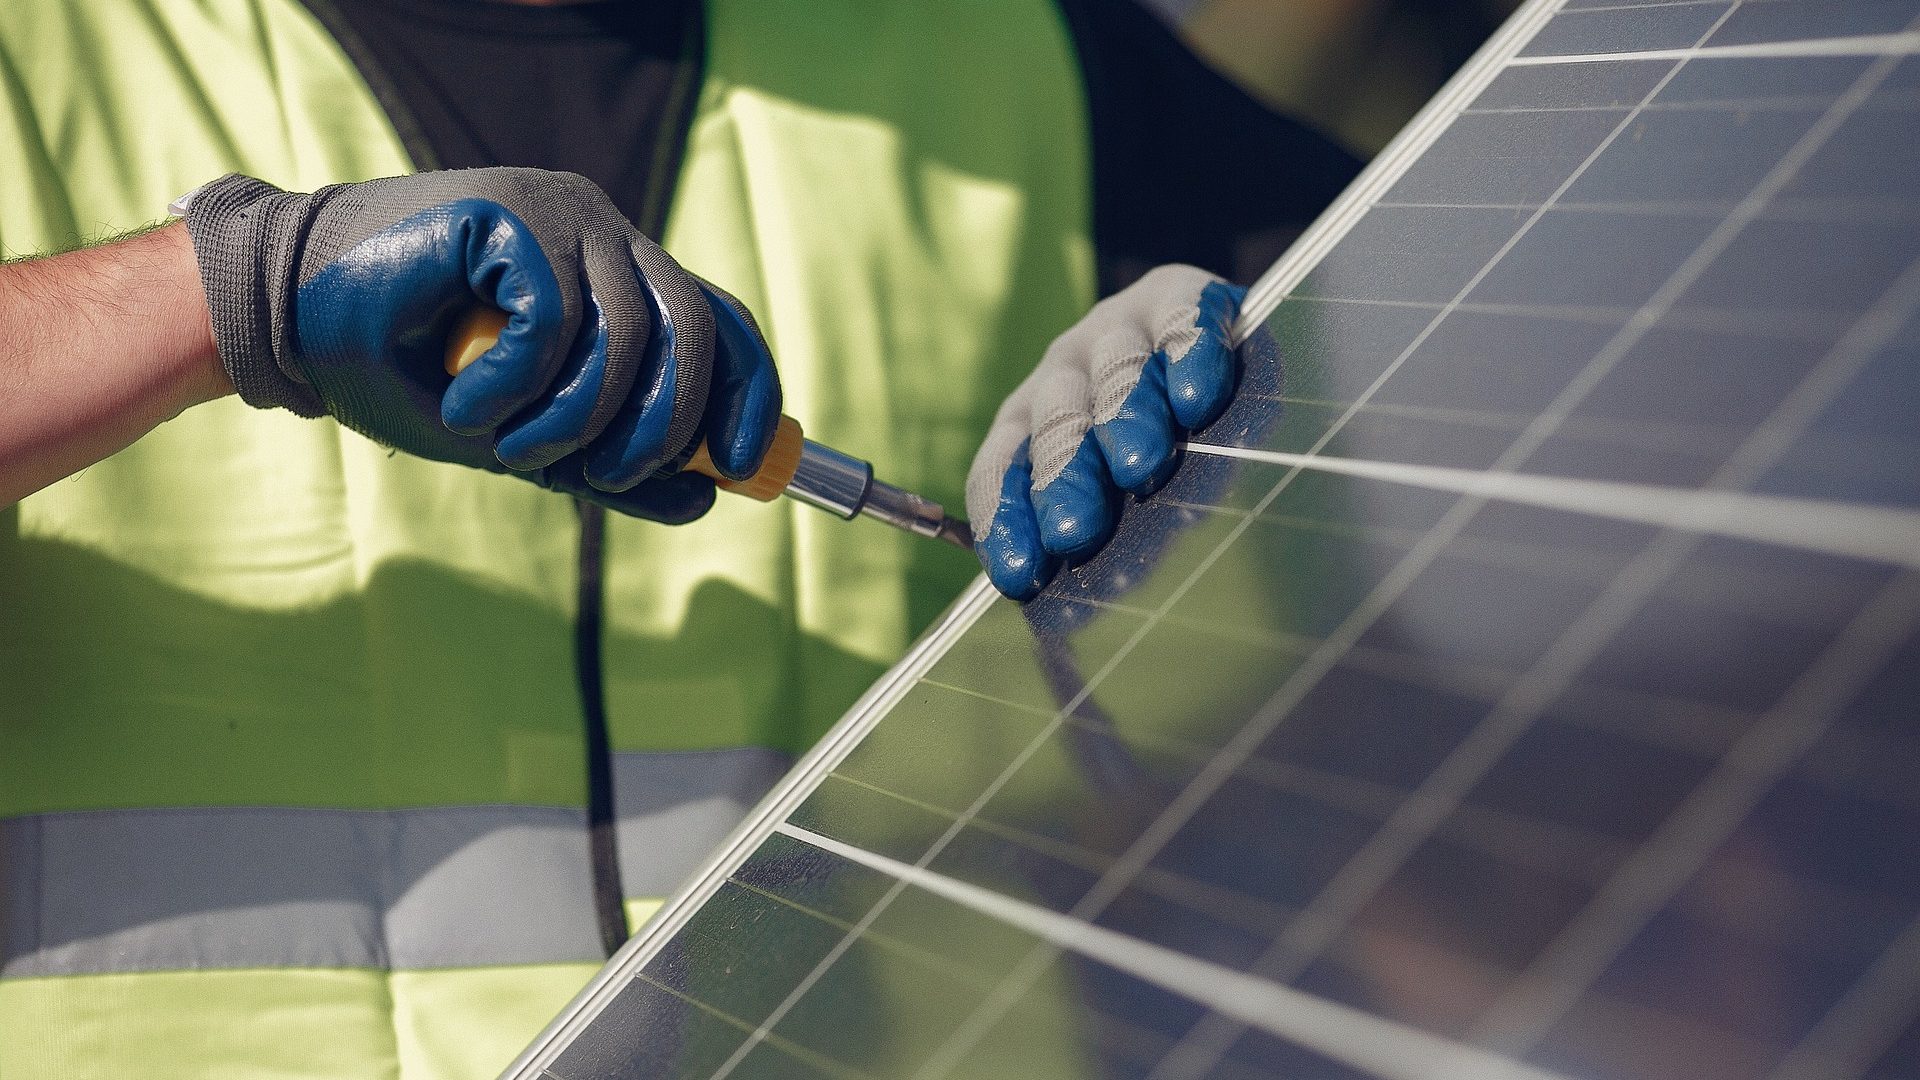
point(613, 360)
point(1103, 413)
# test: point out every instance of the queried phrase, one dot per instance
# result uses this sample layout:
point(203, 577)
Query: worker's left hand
point(1103, 414)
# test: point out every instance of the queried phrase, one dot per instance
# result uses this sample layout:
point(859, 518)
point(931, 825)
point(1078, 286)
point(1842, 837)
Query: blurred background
point(1356, 68)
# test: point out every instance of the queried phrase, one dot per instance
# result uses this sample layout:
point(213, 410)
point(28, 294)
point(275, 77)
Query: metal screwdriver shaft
point(842, 484)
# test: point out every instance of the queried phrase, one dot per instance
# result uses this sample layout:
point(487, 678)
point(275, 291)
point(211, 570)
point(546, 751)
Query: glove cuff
point(246, 234)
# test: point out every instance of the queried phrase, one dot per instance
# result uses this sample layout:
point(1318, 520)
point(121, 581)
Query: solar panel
point(1518, 682)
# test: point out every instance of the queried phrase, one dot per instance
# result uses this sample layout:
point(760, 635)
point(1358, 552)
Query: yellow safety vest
point(291, 744)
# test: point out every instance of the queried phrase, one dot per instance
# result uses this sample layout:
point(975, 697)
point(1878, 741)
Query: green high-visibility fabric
point(250, 1025)
point(909, 268)
point(246, 608)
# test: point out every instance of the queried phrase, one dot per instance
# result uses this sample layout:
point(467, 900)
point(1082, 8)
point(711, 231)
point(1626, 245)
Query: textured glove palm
point(613, 360)
point(1103, 413)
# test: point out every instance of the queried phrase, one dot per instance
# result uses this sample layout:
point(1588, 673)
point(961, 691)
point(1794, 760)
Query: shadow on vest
point(370, 782)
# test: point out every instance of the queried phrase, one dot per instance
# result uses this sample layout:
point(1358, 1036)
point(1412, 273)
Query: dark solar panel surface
point(1597, 790)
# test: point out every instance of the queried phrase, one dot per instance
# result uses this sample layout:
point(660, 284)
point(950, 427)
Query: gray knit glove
point(1104, 413)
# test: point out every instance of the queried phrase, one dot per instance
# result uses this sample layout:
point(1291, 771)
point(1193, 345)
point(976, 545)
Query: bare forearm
point(97, 347)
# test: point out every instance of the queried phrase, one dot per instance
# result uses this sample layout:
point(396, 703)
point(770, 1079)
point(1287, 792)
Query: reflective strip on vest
point(675, 809)
point(252, 887)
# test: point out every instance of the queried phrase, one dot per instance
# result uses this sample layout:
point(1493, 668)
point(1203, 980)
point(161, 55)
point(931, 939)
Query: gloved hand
point(1103, 413)
point(613, 359)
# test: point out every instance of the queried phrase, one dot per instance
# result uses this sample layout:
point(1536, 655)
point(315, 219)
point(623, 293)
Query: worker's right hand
point(612, 362)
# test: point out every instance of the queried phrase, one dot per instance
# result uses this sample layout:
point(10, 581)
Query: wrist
point(190, 361)
point(243, 233)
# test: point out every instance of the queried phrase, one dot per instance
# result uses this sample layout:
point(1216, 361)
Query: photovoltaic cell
point(1517, 682)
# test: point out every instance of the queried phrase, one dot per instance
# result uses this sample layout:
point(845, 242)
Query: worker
point(332, 746)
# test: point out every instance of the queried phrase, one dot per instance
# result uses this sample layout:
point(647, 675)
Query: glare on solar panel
point(1518, 681)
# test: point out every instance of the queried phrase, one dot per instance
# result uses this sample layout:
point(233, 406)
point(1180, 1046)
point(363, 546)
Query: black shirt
point(600, 88)
point(1186, 166)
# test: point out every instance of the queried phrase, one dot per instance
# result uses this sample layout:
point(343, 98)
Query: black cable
point(601, 848)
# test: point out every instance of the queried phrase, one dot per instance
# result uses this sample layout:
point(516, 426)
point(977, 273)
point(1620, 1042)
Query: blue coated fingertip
point(1010, 549)
point(504, 266)
point(1219, 305)
point(743, 402)
point(634, 445)
point(1200, 384)
point(1139, 442)
point(1075, 509)
point(556, 425)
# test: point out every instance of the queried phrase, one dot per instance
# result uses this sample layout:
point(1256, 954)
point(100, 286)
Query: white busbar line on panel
point(1905, 43)
point(1359, 1040)
point(1852, 530)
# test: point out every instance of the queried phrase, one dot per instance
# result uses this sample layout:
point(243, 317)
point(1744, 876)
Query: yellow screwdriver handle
point(480, 328)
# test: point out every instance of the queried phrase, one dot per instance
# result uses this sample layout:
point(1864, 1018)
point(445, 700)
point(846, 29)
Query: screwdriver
point(840, 484)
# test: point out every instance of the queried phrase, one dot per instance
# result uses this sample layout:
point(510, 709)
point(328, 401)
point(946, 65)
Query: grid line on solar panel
point(1571, 652)
point(1606, 704)
point(1151, 841)
point(1626, 30)
point(1627, 5)
point(1659, 560)
point(1504, 1025)
point(1711, 83)
point(1598, 998)
point(971, 949)
point(1787, 20)
point(980, 802)
point(1118, 657)
point(1251, 913)
point(1698, 727)
point(1473, 281)
point(591, 1010)
point(1657, 870)
point(1806, 209)
point(1866, 1022)
point(1785, 322)
point(1561, 847)
point(1585, 41)
point(1536, 560)
point(1796, 607)
point(1855, 530)
point(818, 1062)
point(1788, 103)
point(1664, 435)
point(1901, 44)
point(1419, 135)
point(939, 844)
point(1720, 111)
point(1744, 589)
point(920, 957)
point(781, 879)
point(1379, 1046)
point(1853, 654)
